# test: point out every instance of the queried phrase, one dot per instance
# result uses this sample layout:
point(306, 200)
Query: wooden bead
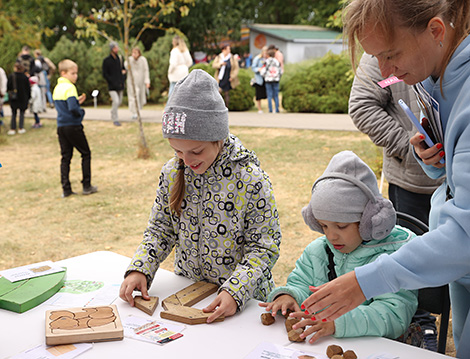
point(294, 335)
point(333, 350)
point(267, 319)
point(349, 354)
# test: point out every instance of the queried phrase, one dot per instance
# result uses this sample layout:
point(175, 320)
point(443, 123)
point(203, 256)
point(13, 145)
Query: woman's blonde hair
point(180, 44)
point(387, 15)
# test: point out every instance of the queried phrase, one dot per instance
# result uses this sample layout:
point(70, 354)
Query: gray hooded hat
point(196, 110)
point(347, 192)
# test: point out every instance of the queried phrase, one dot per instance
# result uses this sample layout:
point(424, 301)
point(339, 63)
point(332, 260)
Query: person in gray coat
point(375, 112)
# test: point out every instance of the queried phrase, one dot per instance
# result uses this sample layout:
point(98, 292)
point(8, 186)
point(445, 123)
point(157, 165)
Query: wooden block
point(333, 350)
point(26, 294)
point(294, 335)
point(195, 293)
point(290, 321)
point(349, 354)
point(187, 315)
point(267, 319)
point(147, 306)
point(78, 325)
point(172, 300)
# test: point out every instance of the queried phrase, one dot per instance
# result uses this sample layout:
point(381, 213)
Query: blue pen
point(418, 125)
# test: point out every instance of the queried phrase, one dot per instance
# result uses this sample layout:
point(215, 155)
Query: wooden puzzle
point(78, 325)
point(25, 294)
point(178, 306)
point(147, 306)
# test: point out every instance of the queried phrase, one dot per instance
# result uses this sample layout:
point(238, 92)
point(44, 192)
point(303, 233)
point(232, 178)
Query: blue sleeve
point(74, 107)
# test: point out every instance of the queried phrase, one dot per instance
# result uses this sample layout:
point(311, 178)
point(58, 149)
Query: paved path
point(309, 121)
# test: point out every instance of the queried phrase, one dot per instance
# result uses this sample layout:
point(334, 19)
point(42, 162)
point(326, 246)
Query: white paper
point(131, 322)
point(31, 271)
point(85, 293)
point(383, 356)
point(267, 350)
point(42, 351)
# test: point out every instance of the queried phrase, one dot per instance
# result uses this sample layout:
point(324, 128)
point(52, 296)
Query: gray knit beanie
point(196, 110)
point(347, 192)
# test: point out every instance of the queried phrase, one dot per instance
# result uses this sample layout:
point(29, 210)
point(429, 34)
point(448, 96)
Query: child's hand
point(82, 98)
point(283, 303)
point(320, 328)
point(135, 280)
point(225, 305)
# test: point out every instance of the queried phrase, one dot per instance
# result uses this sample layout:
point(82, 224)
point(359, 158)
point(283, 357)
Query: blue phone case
point(418, 125)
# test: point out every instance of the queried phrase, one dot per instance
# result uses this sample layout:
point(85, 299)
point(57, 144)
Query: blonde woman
point(180, 61)
point(140, 72)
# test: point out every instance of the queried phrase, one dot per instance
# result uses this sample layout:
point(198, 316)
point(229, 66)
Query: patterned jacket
point(228, 232)
point(387, 315)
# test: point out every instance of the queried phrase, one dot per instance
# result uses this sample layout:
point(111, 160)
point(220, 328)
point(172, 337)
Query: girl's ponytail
point(177, 192)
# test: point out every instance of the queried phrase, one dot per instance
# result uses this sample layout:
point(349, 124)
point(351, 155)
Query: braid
point(177, 192)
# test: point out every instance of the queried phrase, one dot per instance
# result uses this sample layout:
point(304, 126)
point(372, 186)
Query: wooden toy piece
point(349, 354)
point(77, 325)
point(333, 350)
point(294, 335)
point(172, 300)
point(26, 294)
point(178, 306)
point(267, 319)
point(195, 293)
point(187, 315)
point(290, 321)
point(147, 306)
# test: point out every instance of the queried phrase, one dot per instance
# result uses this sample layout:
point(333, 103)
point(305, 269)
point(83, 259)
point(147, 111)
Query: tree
point(120, 18)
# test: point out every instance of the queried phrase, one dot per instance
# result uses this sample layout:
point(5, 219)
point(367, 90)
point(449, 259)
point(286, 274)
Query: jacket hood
point(234, 152)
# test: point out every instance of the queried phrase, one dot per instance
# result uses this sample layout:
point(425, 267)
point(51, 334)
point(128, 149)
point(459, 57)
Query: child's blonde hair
point(66, 65)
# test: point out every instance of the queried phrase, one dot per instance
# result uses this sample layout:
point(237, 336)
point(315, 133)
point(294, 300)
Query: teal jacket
point(228, 232)
point(387, 315)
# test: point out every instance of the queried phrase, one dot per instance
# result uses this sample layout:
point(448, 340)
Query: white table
point(233, 338)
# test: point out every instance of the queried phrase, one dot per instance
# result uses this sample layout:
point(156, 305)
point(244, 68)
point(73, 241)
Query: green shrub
point(322, 87)
point(241, 97)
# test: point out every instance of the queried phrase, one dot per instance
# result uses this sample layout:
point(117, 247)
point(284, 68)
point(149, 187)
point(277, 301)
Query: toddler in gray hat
point(358, 226)
point(214, 205)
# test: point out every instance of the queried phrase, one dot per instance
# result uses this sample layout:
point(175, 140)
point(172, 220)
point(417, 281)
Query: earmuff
point(378, 217)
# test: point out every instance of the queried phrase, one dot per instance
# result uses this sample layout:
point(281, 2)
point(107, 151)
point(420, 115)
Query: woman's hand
point(321, 328)
point(283, 303)
point(135, 280)
point(429, 156)
point(333, 299)
point(223, 304)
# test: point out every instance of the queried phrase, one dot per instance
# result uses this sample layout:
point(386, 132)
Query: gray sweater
point(375, 112)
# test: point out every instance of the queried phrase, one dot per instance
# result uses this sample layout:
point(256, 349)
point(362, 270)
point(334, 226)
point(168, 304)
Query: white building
point(296, 42)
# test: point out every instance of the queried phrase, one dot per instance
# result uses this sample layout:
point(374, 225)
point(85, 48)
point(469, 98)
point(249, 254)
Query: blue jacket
point(69, 112)
point(443, 254)
point(387, 315)
point(258, 63)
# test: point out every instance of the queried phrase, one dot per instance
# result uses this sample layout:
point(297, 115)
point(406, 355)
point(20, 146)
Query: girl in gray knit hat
point(359, 225)
point(214, 205)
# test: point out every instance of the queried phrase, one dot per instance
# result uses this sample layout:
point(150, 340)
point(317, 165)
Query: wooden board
point(195, 293)
point(187, 315)
point(79, 325)
point(26, 294)
point(178, 306)
point(147, 306)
